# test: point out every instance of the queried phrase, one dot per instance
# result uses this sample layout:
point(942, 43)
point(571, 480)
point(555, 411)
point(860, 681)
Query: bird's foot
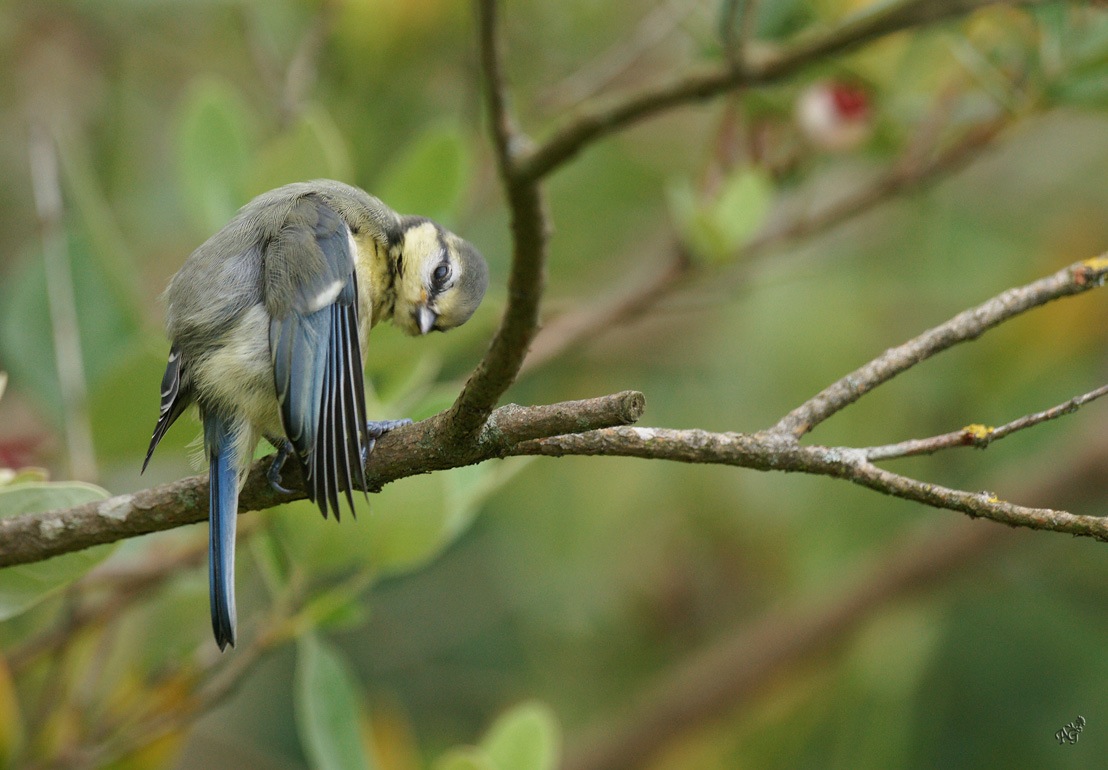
point(284, 449)
point(377, 428)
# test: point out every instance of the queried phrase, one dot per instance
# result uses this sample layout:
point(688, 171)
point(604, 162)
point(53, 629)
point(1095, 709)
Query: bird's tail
point(223, 506)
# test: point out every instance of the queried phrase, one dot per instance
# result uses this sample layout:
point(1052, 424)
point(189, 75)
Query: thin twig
point(589, 80)
point(736, 28)
point(62, 303)
point(967, 325)
point(126, 585)
point(290, 83)
point(614, 115)
point(979, 436)
point(181, 697)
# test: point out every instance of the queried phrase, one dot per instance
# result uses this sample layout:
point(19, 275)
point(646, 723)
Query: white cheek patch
point(325, 297)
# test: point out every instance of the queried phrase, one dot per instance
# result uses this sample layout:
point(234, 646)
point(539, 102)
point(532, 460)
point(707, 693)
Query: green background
point(572, 586)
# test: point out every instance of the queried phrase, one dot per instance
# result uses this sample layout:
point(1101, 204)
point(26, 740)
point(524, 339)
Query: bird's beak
point(425, 319)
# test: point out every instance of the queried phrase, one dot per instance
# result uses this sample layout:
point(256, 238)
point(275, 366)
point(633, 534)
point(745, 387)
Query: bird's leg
point(284, 449)
point(377, 428)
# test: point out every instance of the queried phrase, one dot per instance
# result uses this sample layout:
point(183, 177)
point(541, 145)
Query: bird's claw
point(375, 429)
point(284, 449)
point(378, 428)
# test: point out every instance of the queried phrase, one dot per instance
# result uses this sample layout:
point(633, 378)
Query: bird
point(268, 321)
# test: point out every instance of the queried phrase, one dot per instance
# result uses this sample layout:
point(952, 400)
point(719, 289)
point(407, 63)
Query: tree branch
point(907, 175)
point(727, 676)
point(597, 316)
point(967, 325)
point(617, 114)
point(771, 451)
point(407, 451)
point(778, 448)
point(515, 430)
point(498, 369)
point(731, 673)
point(522, 170)
point(979, 436)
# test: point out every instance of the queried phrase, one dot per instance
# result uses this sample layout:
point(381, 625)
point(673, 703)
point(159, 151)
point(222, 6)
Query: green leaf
point(465, 758)
point(742, 206)
point(214, 142)
point(313, 148)
point(328, 709)
point(715, 229)
point(418, 518)
point(23, 586)
point(525, 738)
point(683, 204)
point(318, 545)
point(429, 175)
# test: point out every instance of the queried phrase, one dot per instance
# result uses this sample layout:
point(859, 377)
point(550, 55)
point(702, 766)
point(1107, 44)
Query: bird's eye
point(442, 272)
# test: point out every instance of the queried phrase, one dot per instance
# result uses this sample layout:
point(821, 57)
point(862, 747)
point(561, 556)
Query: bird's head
point(440, 278)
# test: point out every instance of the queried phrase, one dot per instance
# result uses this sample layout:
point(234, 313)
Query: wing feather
point(358, 438)
point(176, 397)
point(342, 426)
point(317, 361)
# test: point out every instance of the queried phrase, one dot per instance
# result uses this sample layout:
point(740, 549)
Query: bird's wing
point(311, 293)
point(176, 397)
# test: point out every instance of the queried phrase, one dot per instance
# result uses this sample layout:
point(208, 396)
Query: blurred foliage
point(328, 713)
point(517, 599)
point(26, 585)
point(525, 738)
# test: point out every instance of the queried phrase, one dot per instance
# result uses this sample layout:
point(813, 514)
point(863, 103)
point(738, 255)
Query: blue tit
point(268, 322)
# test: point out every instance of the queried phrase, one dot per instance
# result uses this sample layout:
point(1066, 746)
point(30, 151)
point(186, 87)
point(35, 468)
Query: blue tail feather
point(222, 519)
